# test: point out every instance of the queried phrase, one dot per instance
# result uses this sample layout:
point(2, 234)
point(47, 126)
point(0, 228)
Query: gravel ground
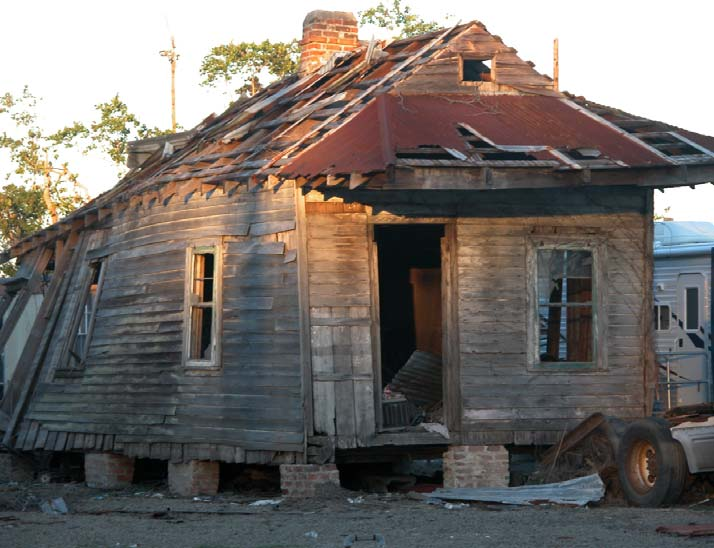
point(149, 517)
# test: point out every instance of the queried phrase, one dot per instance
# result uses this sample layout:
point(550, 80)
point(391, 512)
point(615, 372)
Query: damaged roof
point(402, 106)
point(465, 130)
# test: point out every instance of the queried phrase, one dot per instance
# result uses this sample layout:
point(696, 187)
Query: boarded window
point(661, 317)
point(202, 306)
point(565, 305)
point(691, 299)
point(85, 321)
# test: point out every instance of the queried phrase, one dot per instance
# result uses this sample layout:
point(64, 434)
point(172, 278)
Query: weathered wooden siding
point(134, 392)
point(340, 320)
point(442, 74)
point(503, 401)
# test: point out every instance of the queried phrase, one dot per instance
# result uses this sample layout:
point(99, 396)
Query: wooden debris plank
point(29, 442)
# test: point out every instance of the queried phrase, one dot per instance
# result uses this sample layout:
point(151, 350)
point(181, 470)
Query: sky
point(652, 58)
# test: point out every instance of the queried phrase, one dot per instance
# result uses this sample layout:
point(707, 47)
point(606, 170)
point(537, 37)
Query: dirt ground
point(147, 516)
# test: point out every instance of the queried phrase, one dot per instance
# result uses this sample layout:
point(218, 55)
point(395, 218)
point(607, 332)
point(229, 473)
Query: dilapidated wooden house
point(425, 231)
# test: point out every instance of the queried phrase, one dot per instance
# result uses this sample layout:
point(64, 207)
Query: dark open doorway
point(410, 304)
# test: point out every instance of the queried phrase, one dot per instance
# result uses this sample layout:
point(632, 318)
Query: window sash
point(84, 326)
point(540, 302)
point(198, 352)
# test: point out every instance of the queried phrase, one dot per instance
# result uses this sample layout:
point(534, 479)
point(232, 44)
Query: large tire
point(651, 465)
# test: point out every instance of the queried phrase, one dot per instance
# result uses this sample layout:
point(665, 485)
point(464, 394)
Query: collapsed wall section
point(134, 392)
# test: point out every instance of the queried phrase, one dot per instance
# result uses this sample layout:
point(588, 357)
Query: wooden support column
point(304, 317)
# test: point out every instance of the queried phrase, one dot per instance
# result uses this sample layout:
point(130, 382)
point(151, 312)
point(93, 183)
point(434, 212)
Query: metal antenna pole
point(172, 56)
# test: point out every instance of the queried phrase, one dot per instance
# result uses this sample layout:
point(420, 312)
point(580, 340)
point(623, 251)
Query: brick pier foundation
point(476, 466)
point(108, 470)
point(303, 480)
point(196, 477)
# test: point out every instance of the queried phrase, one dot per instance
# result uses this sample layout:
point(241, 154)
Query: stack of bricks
point(325, 33)
point(304, 480)
point(476, 466)
point(108, 470)
point(196, 477)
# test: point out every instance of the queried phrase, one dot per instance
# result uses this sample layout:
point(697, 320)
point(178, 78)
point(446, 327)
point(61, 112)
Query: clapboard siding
point(134, 383)
point(499, 392)
point(340, 333)
point(502, 401)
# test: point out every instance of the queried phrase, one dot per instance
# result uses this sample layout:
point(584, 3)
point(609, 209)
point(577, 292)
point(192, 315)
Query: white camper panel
point(682, 278)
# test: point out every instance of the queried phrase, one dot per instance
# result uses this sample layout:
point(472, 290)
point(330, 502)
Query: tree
point(35, 159)
point(246, 62)
point(110, 133)
point(397, 17)
point(42, 185)
point(252, 64)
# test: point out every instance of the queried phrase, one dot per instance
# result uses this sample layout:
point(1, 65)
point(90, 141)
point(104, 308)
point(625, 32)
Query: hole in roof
point(582, 153)
point(503, 155)
point(669, 144)
point(424, 152)
point(476, 70)
point(478, 143)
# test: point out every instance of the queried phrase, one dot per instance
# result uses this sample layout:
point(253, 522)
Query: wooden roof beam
point(90, 218)
point(103, 212)
point(445, 178)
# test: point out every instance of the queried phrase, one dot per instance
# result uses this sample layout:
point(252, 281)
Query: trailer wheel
point(651, 465)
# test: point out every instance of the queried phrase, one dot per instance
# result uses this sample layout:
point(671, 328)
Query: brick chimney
point(323, 34)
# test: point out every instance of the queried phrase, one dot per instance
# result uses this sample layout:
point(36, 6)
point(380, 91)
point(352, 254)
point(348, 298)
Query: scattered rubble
point(266, 502)
point(54, 506)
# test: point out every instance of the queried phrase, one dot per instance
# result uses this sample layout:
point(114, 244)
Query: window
point(203, 306)
point(565, 306)
point(566, 292)
point(85, 320)
point(661, 317)
point(476, 70)
point(691, 304)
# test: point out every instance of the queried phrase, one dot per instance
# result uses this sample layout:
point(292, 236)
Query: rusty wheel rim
point(642, 466)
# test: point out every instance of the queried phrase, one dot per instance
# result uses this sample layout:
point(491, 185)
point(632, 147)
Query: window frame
point(472, 57)
point(596, 247)
point(69, 357)
point(685, 303)
point(203, 247)
point(657, 316)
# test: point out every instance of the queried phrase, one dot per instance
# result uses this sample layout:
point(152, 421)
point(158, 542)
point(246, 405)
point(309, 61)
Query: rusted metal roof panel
point(370, 141)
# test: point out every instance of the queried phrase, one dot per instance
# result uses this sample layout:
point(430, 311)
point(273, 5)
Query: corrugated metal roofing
point(371, 140)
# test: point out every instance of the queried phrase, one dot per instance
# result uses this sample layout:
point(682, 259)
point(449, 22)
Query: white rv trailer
point(683, 264)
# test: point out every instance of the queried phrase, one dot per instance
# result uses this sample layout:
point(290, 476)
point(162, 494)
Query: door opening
point(410, 313)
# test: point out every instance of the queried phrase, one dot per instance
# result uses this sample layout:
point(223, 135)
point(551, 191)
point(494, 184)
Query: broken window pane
point(202, 333)
point(476, 70)
point(202, 312)
point(565, 308)
point(79, 347)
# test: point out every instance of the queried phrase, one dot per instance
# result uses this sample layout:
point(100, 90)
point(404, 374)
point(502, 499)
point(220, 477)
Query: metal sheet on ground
point(575, 492)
